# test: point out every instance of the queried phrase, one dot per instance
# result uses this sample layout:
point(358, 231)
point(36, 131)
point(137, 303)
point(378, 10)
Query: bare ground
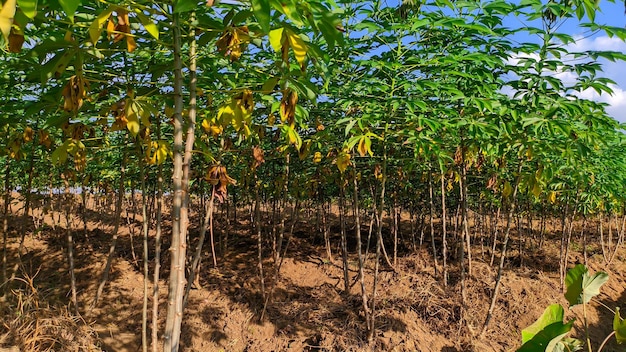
point(308, 312)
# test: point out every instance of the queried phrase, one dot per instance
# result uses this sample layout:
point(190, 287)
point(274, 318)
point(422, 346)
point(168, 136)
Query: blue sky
point(611, 14)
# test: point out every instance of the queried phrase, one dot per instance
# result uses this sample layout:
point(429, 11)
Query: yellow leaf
point(238, 117)
point(226, 114)
point(169, 111)
point(299, 47)
point(132, 118)
point(507, 190)
point(96, 26)
point(162, 150)
point(343, 161)
point(552, 197)
point(529, 153)
point(147, 23)
point(246, 131)
point(130, 44)
point(317, 157)
point(276, 38)
point(536, 189)
point(6, 18)
point(304, 150)
point(365, 146)
point(294, 137)
point(144, 113)
point(28, 134)
point(59, 155)
point(110, 28)
point(206, 125)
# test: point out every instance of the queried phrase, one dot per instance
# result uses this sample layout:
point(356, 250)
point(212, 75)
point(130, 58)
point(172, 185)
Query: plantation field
point(312, 175)
point(308, 310)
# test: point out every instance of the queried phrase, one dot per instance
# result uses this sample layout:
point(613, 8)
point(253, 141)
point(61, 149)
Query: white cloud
point(616, 101)
point(597, 44)
point(613, 70)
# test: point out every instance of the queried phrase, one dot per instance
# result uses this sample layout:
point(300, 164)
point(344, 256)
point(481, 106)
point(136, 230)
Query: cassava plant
point(549, 332)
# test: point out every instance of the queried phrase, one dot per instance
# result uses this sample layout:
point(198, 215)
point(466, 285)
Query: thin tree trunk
point(180, 181)
point(583, 234)
point(379, 245)
point(444, 243)
point(195, 263)
point(620, 237)
point(357, 225)
point(372, 324)
point(131, 224)
point(563, 240)
point(5, 222)
point(542, 232)
point(605, 254)
point(509, 219)
point(395, 229)
point(494, 241)
point(568, 241)
point(157, 254)
point(83, 213)
point(29, 187)
point(257, 225)
point(431, 217)
point(70, 244)
point(144, 218)
point(118, 215)
point(344, 244)
point(283, 212)
point(465, 235)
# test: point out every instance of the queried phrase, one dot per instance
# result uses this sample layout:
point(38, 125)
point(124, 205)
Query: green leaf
point(581, 286)
point(553, 314)
point(70, 6)
point(150, 26)
point(185, 5)
point(28, 7)
point(268, 86)
point(547, 333)
point(261, 9)
point(619, 326)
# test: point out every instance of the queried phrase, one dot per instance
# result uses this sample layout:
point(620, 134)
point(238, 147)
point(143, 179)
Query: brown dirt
point(308, 311)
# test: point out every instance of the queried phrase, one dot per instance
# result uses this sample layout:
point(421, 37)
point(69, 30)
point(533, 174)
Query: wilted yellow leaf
point(161, 151)
point(507, 190)
point(96, 26)
point(226, 113)
point(28, 134)
point(365, 146)
point(317, 157)
point(536, 189)
point(276, 38)
point(343, 161)
point(147, 23)
point(7, 12)
point(16, 40)
point(132, 118)
point(552, 197)
point(294, 137)
point(299, 47)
